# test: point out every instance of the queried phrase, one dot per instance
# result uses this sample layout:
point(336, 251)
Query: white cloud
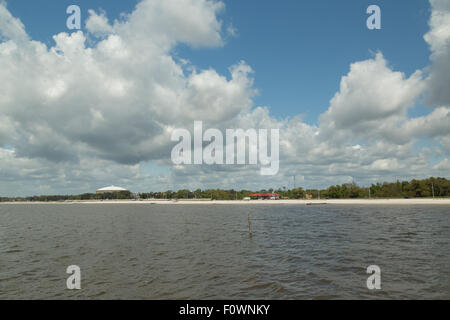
point(166, 22)
point(445, 144)
point(433, 125)
point(98, 24)
point(390, 165)
point(443, 165)
point(117, 99)
point(372, 98)
point(439, 40)
point(76, 117)
point(232, 31)
point(11, 28)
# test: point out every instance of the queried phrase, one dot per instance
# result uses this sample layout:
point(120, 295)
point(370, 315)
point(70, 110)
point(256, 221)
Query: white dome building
point(111, 189)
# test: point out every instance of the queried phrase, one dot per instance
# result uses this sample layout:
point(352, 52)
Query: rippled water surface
point(143, 251)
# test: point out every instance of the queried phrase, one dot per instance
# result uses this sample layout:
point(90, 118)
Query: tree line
point(399, 189)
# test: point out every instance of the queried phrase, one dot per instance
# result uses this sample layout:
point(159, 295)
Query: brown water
point(205, 252)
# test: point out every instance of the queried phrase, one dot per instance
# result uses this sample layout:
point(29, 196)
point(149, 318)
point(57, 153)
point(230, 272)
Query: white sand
point(262, 202)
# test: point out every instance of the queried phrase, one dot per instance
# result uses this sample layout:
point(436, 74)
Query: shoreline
point(418, 201)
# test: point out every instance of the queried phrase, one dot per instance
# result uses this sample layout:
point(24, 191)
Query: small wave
point(14, 251)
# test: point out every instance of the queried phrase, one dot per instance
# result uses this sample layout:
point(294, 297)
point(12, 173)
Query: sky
point(81, 109)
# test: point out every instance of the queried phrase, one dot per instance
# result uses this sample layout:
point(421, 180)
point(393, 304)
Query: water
point(142, 251)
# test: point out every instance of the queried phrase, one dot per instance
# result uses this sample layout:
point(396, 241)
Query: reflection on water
point(205, 252)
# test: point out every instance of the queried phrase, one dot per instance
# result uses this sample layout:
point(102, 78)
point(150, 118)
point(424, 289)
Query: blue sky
point(299, 50)
point(97, 107)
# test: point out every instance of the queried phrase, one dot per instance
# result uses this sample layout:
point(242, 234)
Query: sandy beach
point(418, 201)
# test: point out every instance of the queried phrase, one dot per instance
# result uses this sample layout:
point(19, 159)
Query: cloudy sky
point(84, 109)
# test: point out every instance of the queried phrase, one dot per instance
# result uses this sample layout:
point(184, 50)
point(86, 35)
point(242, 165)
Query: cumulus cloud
point(436, 124)
point(11, 27)
point(117, 99)
point(371, 95)
point(166, 22)
point(31, 176)
point(439, 40)
point(76, 115)
point(443, 165)
point(98, 24)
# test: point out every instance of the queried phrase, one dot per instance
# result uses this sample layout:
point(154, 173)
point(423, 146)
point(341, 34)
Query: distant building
point(110, 189)
point(308, 196)
point(266, 196)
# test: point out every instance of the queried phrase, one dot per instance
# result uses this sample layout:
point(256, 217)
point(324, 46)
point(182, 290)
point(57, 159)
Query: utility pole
point(432, 188)
point(369, 192)
point(294, 181)
point(319, 194)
